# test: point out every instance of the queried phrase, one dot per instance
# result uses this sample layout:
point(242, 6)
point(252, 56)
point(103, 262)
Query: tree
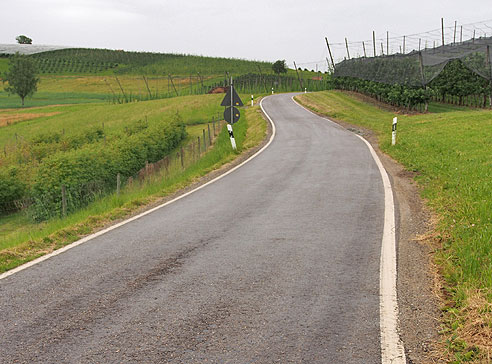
point(279, 67)
point(22, 39)
point(21, 77)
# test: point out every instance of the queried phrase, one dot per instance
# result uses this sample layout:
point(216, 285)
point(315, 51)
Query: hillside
point(97, 61)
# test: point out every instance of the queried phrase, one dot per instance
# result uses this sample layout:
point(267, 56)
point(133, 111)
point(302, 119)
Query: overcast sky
point(252, 29)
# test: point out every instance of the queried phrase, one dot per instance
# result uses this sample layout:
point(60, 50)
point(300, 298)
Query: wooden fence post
point(199, 151)
point(204, 141)
point(182, 158)
point(64, 200)
point(209, 135)
point(118, 183)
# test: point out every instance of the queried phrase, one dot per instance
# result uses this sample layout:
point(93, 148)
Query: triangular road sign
point(236, 101)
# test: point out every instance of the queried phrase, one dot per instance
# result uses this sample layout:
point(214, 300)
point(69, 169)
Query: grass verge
point(21, 245)
point(450, 151)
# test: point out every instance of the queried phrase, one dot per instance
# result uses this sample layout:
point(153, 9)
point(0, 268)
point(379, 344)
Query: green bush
point(11, 189)
point(89, 170)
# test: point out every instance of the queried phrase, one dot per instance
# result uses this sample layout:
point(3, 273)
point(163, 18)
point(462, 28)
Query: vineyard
point(459, 73)
point(99, 75)
point(81, 60)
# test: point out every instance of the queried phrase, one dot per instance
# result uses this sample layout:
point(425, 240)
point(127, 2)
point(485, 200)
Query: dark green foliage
point(21, 77)
point(12, 189)
point(279, 67)
point(455, 84)
point(397, 95)
point(459, 82)
point(87, 172)
point(22, 39)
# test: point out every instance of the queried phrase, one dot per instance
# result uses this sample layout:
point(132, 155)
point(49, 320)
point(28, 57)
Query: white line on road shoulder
point(392, 350)
point(113, 227)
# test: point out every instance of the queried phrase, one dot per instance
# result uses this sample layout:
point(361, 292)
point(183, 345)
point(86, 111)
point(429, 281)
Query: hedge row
point(87, 170)
point(397, 95)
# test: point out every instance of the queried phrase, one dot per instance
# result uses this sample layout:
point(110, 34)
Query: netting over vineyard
point(418, 68)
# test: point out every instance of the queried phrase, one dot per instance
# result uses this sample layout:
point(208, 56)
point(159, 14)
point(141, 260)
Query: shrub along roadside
point(39, 239)
point(86, 164)
point(88, 171)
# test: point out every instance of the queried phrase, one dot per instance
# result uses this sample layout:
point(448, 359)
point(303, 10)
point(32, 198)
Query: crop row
point(123, 62)
point(59, 65)
point(455, 84)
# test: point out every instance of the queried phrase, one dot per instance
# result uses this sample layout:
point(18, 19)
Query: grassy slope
point(81, 89)
point(21, 240)
point(75, 118)
point(451, 152)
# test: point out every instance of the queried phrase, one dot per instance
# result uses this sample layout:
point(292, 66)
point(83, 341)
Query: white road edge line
point(392, 349)
point(113, 227)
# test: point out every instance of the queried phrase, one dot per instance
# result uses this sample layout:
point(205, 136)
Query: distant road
point(278, 262)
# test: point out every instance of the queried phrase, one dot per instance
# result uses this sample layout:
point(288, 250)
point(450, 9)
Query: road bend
point(278, 262)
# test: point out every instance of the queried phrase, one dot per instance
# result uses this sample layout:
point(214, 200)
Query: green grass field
point(450, 150)
point(73, 119)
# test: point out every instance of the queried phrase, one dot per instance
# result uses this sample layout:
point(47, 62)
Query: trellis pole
point(329, 51)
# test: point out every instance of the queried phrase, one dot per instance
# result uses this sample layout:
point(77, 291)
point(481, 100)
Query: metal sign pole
point(229, 126)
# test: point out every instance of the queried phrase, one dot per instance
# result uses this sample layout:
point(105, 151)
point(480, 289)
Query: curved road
point(278, 262)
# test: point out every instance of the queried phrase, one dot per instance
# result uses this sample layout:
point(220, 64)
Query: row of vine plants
point(455, 85)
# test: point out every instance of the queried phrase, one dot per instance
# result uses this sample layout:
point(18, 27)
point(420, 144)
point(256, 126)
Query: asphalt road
point(278, 262)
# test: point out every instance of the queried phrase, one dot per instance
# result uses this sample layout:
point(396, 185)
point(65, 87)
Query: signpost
point(231, 113)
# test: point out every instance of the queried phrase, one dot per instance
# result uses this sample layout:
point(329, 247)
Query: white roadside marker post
point(272, 90)
point(305, 90)
point(231, 135)
point(393, 133)
point(252, 101)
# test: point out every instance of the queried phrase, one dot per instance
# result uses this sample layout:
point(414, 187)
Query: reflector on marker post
point(393, 129)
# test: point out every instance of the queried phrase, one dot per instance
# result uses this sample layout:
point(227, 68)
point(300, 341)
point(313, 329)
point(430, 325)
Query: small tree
point(279, 67)
point(21, 77)
point(22, 39)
